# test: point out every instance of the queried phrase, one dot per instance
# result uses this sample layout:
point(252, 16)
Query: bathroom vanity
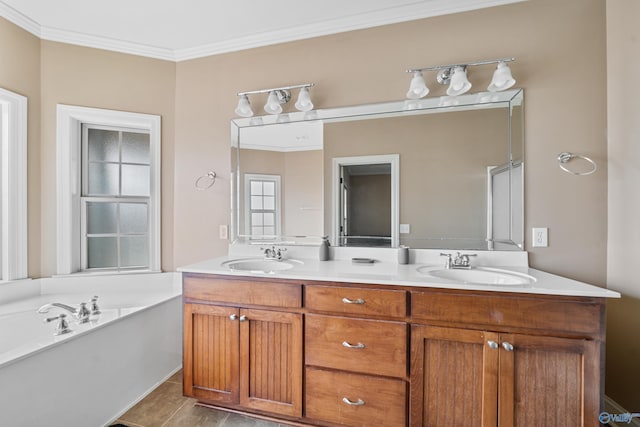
point(330, 343)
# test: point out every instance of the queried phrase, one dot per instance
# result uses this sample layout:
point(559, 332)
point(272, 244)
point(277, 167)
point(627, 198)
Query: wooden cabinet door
point(271, 361)
point(548, 381)
point(211, 353)
point(454, 377)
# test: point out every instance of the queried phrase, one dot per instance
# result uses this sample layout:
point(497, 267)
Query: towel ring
point(565, 157)
point(206, 181)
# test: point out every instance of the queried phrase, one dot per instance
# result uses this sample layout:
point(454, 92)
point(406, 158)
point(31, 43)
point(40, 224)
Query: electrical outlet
point(540, 237)
point(223, 232)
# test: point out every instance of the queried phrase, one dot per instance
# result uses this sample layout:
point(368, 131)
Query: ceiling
point(179, 30)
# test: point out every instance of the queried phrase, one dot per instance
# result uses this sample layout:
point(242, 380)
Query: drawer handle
point(353, 301)
point(346, 344)
point(233, 317)
point(243, 318)
point(359, 402)
point(492, 344)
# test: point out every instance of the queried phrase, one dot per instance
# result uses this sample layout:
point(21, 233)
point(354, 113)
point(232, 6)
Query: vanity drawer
point(359, 301)
point(565, 315)
point(242, 291)
point(374, 401)
point(367, 346)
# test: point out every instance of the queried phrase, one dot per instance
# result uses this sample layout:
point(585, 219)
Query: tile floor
point(167, 407)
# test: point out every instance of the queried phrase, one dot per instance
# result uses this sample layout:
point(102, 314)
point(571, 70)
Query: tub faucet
point(81, 313)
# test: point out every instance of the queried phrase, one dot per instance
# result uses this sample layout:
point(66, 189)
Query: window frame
point(69, 181)
point(13, 182)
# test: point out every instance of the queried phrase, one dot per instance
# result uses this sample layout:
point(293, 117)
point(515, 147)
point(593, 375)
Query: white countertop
point(386, 271)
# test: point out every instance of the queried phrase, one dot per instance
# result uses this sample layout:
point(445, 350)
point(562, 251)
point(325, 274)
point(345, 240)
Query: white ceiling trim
point(356, 22)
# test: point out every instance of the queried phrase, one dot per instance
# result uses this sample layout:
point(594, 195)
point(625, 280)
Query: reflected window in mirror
point(263, 204)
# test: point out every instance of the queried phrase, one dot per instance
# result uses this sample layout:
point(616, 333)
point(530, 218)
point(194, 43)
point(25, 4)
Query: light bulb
point(244, 107)
point(502, 78)
point(273, 104)
point(304, 100)
point(417, 88)
point(459, 82)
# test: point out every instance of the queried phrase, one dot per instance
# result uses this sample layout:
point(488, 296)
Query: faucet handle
point(95, 310)
point(62, 327)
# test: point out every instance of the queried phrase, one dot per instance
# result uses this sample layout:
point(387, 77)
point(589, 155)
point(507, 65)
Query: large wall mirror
point(441, 173)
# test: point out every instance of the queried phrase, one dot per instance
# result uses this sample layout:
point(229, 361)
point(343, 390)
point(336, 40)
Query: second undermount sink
point(261, 265)
point(479, 276)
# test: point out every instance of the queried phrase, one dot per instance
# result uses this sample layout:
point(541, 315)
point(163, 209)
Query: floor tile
point(196, 416)
point(236, 420)
point(157, 407)
point(176, 378)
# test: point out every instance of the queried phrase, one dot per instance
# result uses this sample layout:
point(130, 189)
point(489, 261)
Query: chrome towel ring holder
point(564, 157)
point(206, 181)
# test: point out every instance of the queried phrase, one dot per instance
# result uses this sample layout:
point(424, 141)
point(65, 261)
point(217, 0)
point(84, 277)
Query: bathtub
point(96, 373)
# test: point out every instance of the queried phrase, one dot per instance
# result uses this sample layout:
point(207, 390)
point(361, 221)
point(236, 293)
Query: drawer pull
point(348, 345)
point(492, 344)
point(233, 317)
point(359, 402)
point(353, 301)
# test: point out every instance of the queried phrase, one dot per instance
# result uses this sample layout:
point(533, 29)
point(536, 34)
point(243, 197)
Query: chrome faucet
point(461, 261)
point(273, 253)
point(82, 313)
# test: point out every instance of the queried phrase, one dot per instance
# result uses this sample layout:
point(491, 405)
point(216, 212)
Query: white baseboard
point(612, 407)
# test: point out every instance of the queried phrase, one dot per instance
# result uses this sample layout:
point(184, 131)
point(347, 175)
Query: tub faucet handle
point(83, 313)
point(62, 327)
point(95, 310)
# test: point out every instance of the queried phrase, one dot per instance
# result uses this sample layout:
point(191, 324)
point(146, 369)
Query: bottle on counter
point(403, 254)
point(324, 249)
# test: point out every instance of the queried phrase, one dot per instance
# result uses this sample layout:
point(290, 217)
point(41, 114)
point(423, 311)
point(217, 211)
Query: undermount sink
point(479, 276)
point(261, 265)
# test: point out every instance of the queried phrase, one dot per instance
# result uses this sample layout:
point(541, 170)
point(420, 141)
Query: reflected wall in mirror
point(460, 171)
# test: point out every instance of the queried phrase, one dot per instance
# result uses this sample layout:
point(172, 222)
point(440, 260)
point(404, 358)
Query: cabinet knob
point(352, 301)
point(233, 317)
point(492, 344)
point(346, 344)
point(507, 346)
point(243, 318)
point(358, 402)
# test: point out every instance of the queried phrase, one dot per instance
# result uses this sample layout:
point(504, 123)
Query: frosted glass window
point(269, 188)
point(135, 148)
point(116, 191)
point(103, 145)
point(256, 218)
point(135, 180)
point(101, 252)
point(103, 179)
point(134, 251)
point(101, 218)
point(256, 202)
point(133, 218)
point(269, 203)
point(268, 219)
point(256, 187)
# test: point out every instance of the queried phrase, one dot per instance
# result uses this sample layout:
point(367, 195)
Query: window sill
point(106, 273)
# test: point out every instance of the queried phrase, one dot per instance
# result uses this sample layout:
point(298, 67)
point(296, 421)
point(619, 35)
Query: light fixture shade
point(273, 104)
point(417, 88)
point(304, 100)
point(502, 79)
point(459, 82)
point(244, 107)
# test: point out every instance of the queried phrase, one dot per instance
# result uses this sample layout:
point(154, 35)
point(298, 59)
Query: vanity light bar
point(455, 75)
point(443, 67)
point(277, 96)
point(251, 92)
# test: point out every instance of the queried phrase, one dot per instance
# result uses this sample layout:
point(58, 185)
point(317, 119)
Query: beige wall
point(623, 316)
point(20, 73)
point(86, 77)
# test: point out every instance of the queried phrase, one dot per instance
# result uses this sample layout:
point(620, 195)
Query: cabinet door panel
point(211, 353)
point(542, 381)
point(271, 361)
point(453, 377)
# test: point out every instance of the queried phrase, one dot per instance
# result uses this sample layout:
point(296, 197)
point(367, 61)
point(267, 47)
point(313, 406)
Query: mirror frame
point(482, 100)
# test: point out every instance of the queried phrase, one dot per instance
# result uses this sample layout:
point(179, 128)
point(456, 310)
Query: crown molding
point(391, 15)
